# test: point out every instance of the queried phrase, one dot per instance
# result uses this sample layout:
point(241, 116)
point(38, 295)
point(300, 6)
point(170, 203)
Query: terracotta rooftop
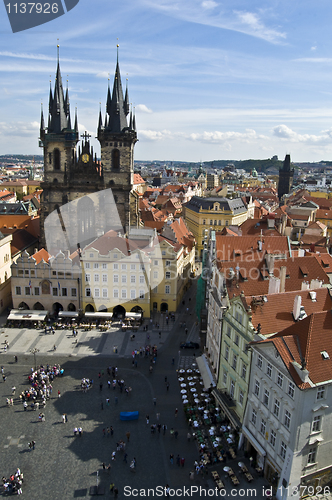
point(323, 214)
point(307, 341)
point(246, 248)
point(110, 241)
point(255, 226)
point(277, 313)
point(42, 254)
point(138, 179)
point(253, 277)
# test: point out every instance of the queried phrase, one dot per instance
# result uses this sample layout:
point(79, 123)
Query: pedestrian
point(116, 492)
point(109, 384)
point(80, 431)
point(16, 359)
point(178, 458)
point(4, 377)
point(125, 457)
point(171, 432)
point(111, 430)
point(104, 465)
point(176, 433)
point(108, 430)
point(188, 436)
point(165, 379)
point(159, 334)
point(25, 405)
point(176, 412)
point(147, 419)
point(182, 461)
point(104, 432)
point(159, 427)
point(191, 475)
point(33, 444)
point(164, 429)
point(66, 417)
point(154, 401)
point(101, 386)
point(173, 361)
point(128, 436)
point(171, 458)
point(59, 393)
point(63, 418)
point(158, 416)
point(111, 487)
point(13, 389)
point(75, 431)
point(167, 489)
point(167, 386)
point(102, 405)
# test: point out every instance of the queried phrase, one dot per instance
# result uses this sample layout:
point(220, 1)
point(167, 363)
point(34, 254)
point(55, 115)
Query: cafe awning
point(27, 315)
point(225, 404)
point(98, 314)
point(203, 366)
point(133, 315)
point(253, 441)
point(68, 314)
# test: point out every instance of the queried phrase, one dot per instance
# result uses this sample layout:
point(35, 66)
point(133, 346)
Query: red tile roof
point(245, 248)
point(305, 341)
point(138, 179)
point(276, 314)
point(42, 254)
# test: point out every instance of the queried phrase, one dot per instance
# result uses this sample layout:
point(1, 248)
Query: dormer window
point(325, 355)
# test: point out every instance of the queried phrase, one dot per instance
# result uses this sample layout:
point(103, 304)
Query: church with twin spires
point(72, 172)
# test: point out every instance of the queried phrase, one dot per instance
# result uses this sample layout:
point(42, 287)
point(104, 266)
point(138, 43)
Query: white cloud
point(220, 137)
point(209, 4)
point(17, 129)
point(284, 132)
point(143, 109)
point(155, 135)
point(255, 27)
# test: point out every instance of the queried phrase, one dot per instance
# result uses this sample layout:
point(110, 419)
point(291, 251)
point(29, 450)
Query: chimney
point(260, 245)
point(269, 259)
point(315, 284)
point(305, 285)
point(297, 307)
point(274, 285)
point(282, 279)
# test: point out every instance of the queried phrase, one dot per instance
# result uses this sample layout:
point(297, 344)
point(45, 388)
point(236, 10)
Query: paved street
point(63, 466)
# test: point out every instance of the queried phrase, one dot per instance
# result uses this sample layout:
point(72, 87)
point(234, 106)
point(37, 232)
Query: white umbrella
point(185, 401)
point(227, 469)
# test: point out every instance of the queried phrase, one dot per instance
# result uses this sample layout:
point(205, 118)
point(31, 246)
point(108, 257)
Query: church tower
point(117, 139)
point(73, 177)
point(286, 174)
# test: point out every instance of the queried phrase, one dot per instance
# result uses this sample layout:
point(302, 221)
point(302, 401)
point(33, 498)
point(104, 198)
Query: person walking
point(128, 436)
point(167, 386)
point(176, 412)
point(182, 461)
point(59, 393)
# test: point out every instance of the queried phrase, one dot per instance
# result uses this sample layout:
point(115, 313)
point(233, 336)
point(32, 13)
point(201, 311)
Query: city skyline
point(208, 80)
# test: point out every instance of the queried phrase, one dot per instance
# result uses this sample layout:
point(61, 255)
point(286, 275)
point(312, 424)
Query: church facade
point(82, 197)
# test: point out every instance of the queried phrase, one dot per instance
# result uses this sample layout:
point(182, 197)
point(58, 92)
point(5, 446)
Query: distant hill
point(259, 165)
point(21, 158)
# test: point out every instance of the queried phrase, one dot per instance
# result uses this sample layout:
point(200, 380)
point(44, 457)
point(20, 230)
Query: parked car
point(189, 345)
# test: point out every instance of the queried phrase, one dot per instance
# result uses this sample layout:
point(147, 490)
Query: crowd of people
point(13, 484)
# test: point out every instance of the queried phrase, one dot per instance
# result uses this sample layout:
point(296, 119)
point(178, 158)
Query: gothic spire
point(117, 106)
point(59, 105)
point(100, 122)
point(126, 101)
point(42, 124)
point(76, 123)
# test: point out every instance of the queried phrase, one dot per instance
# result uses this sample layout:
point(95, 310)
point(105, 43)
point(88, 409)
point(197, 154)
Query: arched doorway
point(23, 305)
point(89, 308)
point(71, 307)
point(164, 307)
point(102, 309)
point(57, 307)
point(38, 307)
point(119, 312)
point(137, 309)
point(155, 306)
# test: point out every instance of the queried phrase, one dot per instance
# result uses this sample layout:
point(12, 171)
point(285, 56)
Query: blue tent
point(129, 415)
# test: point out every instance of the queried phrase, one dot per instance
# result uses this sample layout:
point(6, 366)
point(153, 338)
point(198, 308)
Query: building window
point(141, 294)
point(232, 390)
point(105, 293)
point(141, 279)
point(254, 417)
point(123, 294)
point(211, 222)
point(91, 255)
point(259, 361)
point(73, 292)
point(97, 293)
point(27, 290)
point(234, 361)
point(236, 341)
point(155, 274)
point(283, 449)
point(263, 427)
point(87, 278)
point(244, 371)
point(133, 267)
point(320, 392)
point(316, 424)
point(64, 292)
point(238, 317)
point(115, 278)
point(291, 389)
point(55, 292)
point(168, 275)
point(257, 385)
point(87, 265)
point(115, 293)
point(56, 158)
point(266, 397)
point(95, 265)
point(219, 222)
point(124, 267)
point(133, 294)
point(225, 378)
point(312, 455)
point(203, 222)
point(276, 408)
point(168, 263)
point(241, 395)
point(228, 333)
point(104, 278)
point(132, 278)
point(141, 267)
point(18, 290)
point(115, 266)
point(226, 352)
point(167, 289)
point(88, 292)
point(280, 379)
point(96, 278)
point(287, 419)
point(269, 370)
point(124, 278)
point(104, 266)
point(273, 436)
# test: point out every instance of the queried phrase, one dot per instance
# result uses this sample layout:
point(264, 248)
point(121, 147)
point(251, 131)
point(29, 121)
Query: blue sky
point(209, 79)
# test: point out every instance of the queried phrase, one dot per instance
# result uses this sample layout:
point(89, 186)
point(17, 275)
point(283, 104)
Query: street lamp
point(34, 352)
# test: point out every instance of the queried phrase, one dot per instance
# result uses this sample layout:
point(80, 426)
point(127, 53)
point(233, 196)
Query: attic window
point(325, 355)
